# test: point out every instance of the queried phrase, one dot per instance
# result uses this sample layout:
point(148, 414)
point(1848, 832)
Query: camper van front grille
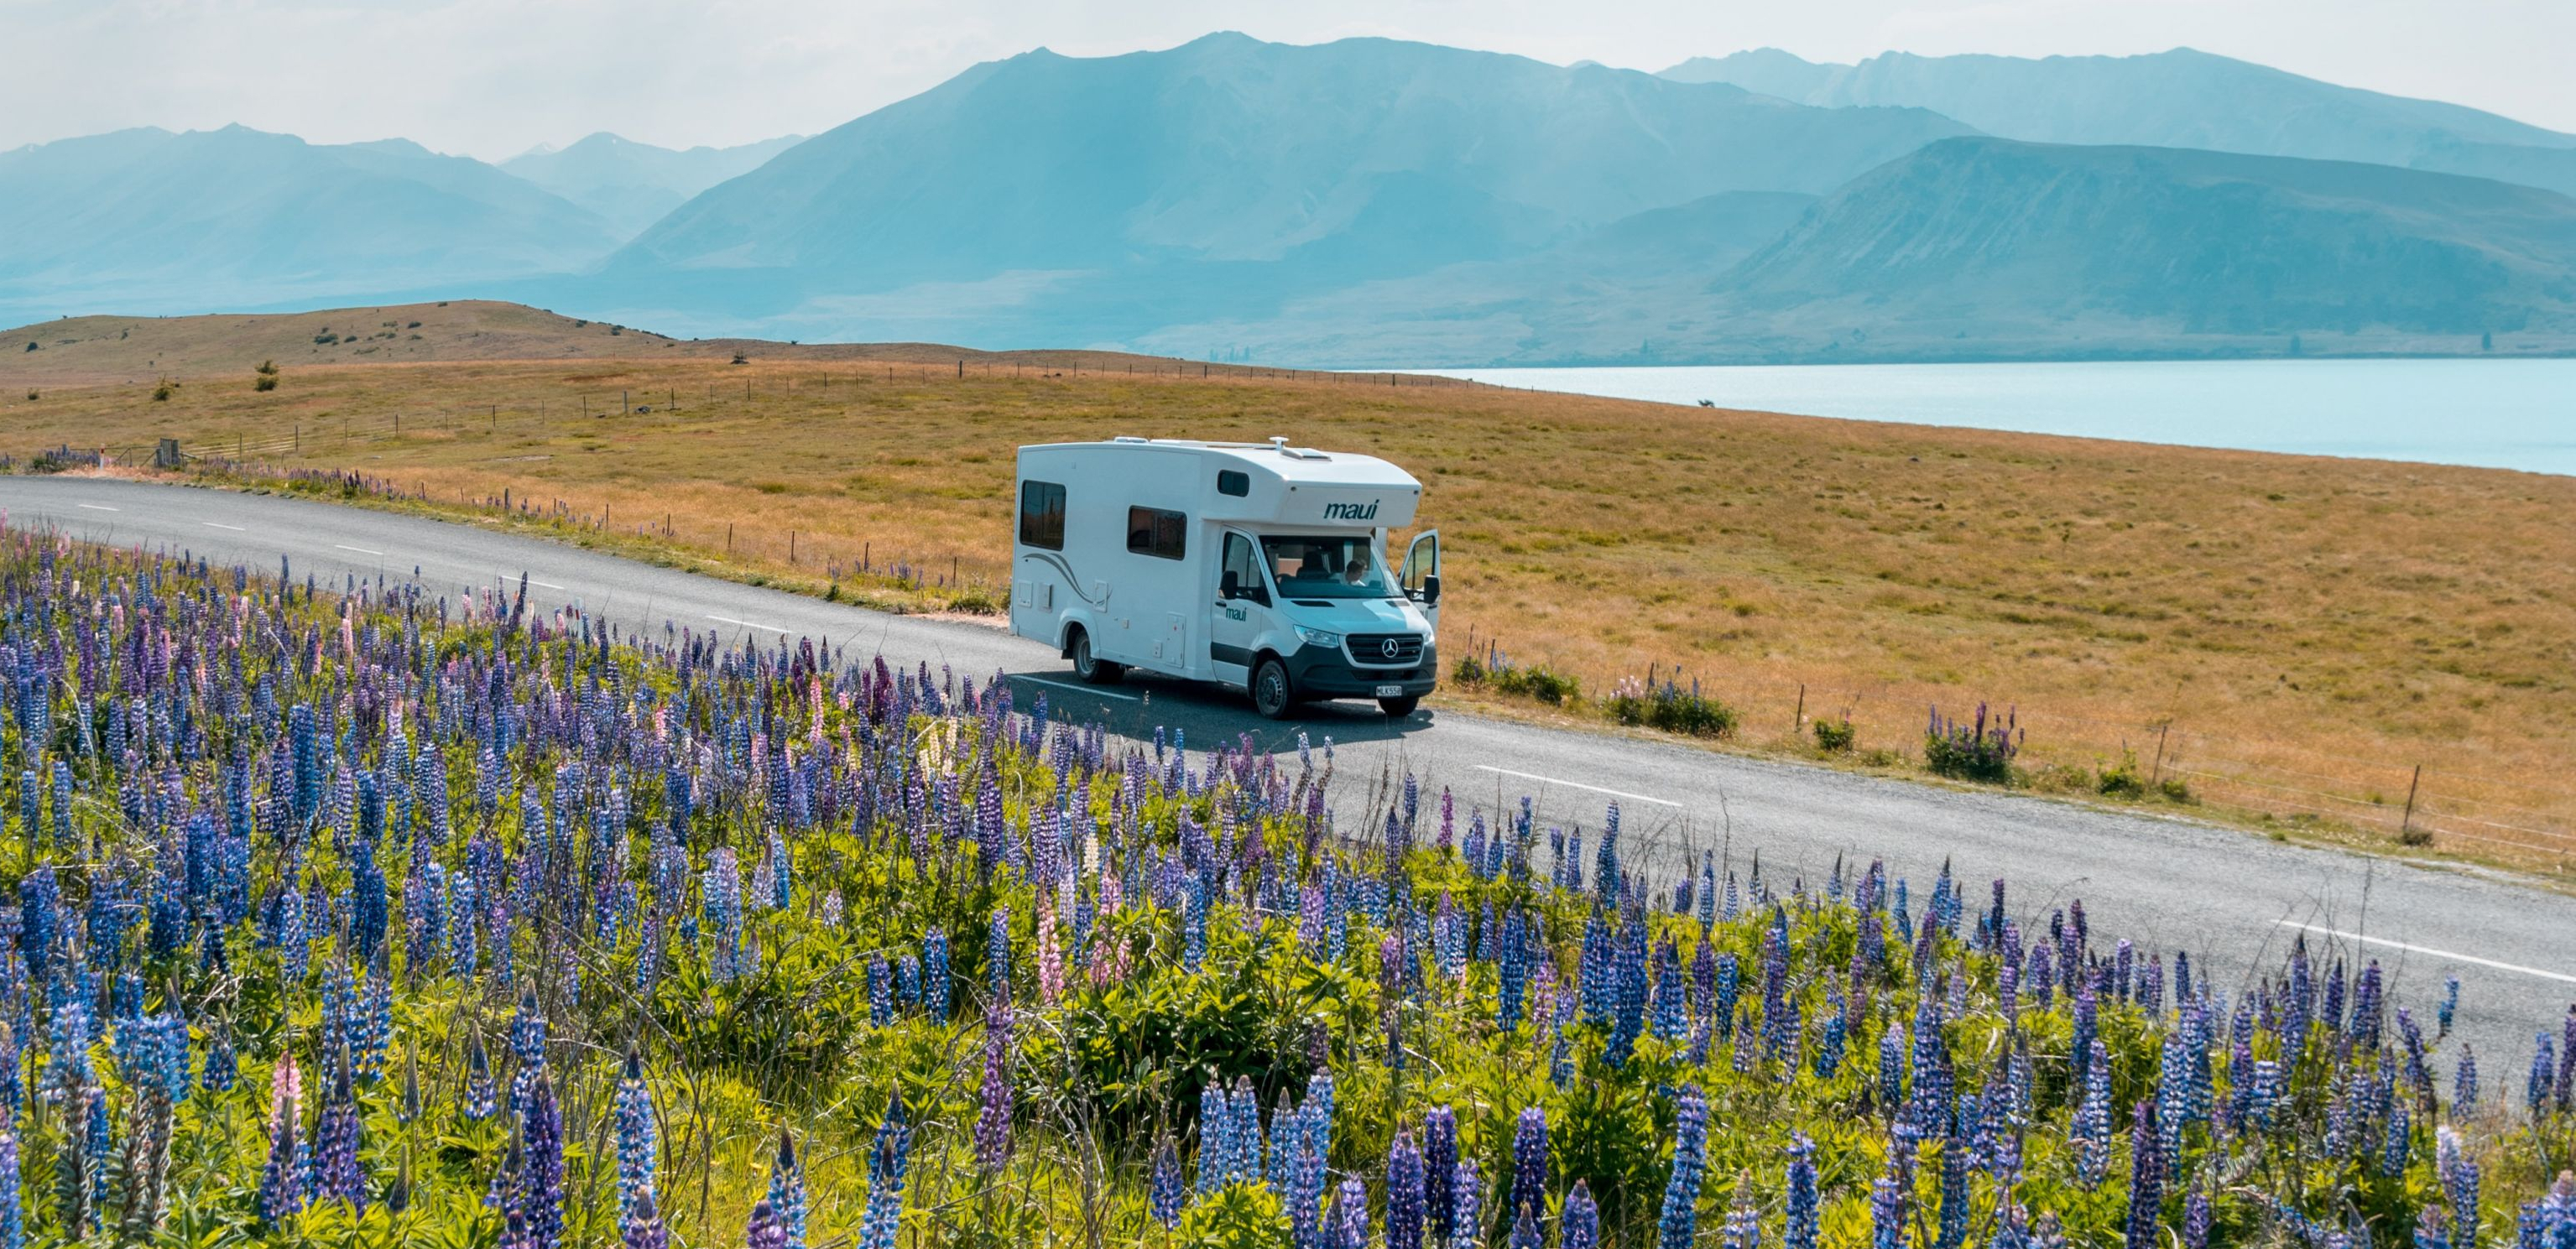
point(1385, 650)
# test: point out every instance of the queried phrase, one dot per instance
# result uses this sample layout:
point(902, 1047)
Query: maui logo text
point(1351, 511)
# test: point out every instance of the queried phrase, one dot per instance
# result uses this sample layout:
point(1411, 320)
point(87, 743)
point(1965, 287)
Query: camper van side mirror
point(1431, 589)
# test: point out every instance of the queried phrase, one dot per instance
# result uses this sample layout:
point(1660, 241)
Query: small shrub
point(739, 358)
point(1547, 686)
point(976, 602)
point(1667, 706)
point(2174, 790)
point(31, 396)
point(268, 367)
point(31, 345)
point(1836, 737)
point(1469, 671)
point(264, 383)
point(2121, 780)
point(1980, 750)
point(161, 393)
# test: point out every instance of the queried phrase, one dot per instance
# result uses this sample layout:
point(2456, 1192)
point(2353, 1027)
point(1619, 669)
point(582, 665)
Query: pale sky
point(491, 78)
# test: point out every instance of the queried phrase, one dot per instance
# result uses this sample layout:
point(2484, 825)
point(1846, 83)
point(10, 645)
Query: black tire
point(1087, 666)
point(1272, 693)
point(1399, 708)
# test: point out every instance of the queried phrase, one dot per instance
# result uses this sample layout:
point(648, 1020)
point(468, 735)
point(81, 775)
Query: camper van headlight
point(1318, 637)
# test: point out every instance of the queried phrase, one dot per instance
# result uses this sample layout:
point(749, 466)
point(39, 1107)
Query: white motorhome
point(1260, 566)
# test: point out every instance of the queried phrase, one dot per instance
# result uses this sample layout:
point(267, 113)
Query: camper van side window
point(1042, 515)
point(1153, 531)
point(1233, 484)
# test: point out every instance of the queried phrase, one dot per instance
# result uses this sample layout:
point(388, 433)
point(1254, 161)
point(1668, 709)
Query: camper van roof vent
point(1281, 446)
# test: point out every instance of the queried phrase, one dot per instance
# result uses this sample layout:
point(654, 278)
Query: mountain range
point(631, 185)
point(1379, 203)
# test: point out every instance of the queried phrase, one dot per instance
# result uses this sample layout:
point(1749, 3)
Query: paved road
point(2232, 899)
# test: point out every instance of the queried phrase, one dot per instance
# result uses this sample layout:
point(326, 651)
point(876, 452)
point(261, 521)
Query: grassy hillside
point(2312, 627)
point(81, 351)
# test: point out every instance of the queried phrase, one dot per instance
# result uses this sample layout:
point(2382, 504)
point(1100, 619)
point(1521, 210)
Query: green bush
point(2174, 790)
point(1669, 707)
point(264, 383)
point(1980, 750)
point(2121, 780)
point(1541, 683)
point(1836, 736)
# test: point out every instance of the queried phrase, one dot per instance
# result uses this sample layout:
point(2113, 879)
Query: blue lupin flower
point(1800, 1229)
point(1166, 1189)
point(1579, 1224)
point(637, 1135)
point(787, 1191)
point(1680, 1219)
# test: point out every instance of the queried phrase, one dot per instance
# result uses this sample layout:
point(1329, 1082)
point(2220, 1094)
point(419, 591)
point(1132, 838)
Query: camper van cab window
point(1321, 567)
point(1042, 515)
point(1232, 483)
point(1153, 531)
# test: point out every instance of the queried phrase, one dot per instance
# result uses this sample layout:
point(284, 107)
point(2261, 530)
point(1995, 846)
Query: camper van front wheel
point(1087, 666)
point(1270, 690)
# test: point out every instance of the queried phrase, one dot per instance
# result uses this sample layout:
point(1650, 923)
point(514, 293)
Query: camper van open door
point(1421, 575)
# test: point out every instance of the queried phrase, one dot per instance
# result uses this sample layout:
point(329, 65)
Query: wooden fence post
point(2406, 823)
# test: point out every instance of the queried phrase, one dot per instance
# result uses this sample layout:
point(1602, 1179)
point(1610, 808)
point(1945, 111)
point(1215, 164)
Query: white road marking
point(99, 507)
point(731, 621)
point(359, 549)
point(2426, 950)
point(1079, 689)
point(1550, 780)
point(544, 585)
point(216, 524)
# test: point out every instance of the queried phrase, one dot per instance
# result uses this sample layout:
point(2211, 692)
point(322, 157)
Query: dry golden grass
point(2289, 634)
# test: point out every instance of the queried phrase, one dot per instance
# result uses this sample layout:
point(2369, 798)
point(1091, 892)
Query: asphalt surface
point(2232, 899)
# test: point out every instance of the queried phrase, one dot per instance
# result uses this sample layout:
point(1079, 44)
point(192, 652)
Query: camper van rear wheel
point(1088, 666)
point(1400, 707)
point(1271, 694)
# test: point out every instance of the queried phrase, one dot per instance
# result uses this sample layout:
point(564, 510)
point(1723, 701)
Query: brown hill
point(82, 351)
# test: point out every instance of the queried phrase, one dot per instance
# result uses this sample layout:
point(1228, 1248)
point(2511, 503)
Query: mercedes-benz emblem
point(1388, 647)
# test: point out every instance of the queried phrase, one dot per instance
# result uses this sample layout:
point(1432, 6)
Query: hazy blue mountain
point(632, 185)
point(1105, 197)
point(1987, 248)
point(147, 220)
point(2180, 98)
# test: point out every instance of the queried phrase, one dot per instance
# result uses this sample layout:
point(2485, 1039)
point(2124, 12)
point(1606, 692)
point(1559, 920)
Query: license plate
point(1390, 691)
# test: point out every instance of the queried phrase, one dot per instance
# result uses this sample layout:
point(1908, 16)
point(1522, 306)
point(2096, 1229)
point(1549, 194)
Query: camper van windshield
point(1340, 567)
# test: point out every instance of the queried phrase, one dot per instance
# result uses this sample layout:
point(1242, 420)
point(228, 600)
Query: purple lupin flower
point(993, 1121)
point(335, 1147)
point(1440, 1156)
point(1166, 1192)
point(1467, 1210)
point(537, 1196)
point(1350, 1216)
point(2146, 1176)
point(1529, 1160)
point(281, 1186)
point(767, 1230)
point(1525, 1231)
point(1404, 1185)
point(643, 1227)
